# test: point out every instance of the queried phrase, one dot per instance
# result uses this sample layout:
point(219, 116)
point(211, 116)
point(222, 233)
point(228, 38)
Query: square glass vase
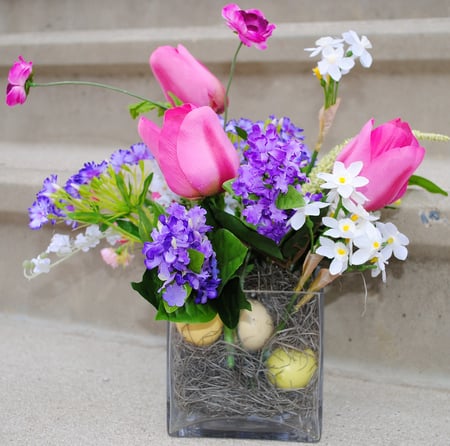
point(222, 390)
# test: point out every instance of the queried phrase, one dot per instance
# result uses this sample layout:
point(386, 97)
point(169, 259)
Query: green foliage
point(248, 235)
point(416, 180)
point(191, 312)
point(292, 199)
point(230, 302)
point(143, 107)
point(230, 254)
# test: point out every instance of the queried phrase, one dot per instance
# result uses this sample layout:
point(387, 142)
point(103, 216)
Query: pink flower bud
point(179, 73)
point(192, 149)
point(250, 25)
point(17, 89)
point(390, 154)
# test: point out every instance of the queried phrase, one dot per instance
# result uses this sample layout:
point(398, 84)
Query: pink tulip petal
point(171, 166)
point(180, 73)
point(389, 175)
point(150, 134)
point(206, 155)
point(391, 134)
point(358, 149)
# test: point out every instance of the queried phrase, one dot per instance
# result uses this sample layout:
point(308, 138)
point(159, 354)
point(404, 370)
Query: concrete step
point(67, 384)
point(47, 15)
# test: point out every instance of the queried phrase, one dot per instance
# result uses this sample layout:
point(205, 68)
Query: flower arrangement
point(206, 200)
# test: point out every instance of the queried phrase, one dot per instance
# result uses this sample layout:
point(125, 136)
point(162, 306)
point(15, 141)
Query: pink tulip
point(250, 25)
point(181, 74)
point(390, 154)
point(192, 149)
point(17, 90)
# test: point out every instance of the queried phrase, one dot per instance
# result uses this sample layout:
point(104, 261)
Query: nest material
point(203, 385)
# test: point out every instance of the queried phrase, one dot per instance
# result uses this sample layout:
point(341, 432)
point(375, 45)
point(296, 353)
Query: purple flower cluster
point(47, 207)
point(272, 161)
point(178, 233)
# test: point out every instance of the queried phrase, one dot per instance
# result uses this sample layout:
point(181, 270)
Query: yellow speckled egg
point(255, 326)
point(201, 334)
point(291, 369)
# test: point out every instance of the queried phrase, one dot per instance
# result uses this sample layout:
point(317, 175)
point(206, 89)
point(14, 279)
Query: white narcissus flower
point(394, 241)
point(380, 263)
point(310, 208)
point(335, 63)
point(369, 243)
point(322, 43)
point(344, 180)
point(342, 228)
point(358, 47)
point(337, 251)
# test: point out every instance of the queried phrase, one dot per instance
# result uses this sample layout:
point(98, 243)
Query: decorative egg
point(201, 334)
point(255, 326)
point(291, 369)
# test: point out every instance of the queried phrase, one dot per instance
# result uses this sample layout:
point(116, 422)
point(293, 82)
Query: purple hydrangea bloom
point(84, 176)
point(43, 210)
point(133, 155)
point(179, 232)
point(272, 161)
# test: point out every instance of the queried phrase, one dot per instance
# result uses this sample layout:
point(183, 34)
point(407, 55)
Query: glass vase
point(222, 390)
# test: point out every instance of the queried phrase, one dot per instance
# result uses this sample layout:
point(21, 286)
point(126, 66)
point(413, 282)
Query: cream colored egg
point(291, 369)
point(201, 334)
point(255, 326)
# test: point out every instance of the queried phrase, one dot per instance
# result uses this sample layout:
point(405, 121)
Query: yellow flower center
point(390, 240)
point(376, 245)
point(354, 217)
point(317, 73)
point(342, 180)
point(341, 251)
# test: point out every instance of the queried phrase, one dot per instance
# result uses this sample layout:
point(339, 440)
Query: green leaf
point(241, 133)
point(230, 302)
point(146, 224)
point(176, 100)
point(129, 227)
point(191, 312)
point(142, 107)
point(148, 287)
point(227, 186)
point(145, 188)
point(426, 184)
point(247, 235)
point(292, 199)
point(123, 189)
point(230, 253)
point(196, 259)
point(85, 217)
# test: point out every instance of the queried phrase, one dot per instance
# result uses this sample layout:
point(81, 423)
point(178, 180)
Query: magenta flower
point(17, 88)
point(250, 25)
point(192, 149)
point(180, 73)
point(390, 154)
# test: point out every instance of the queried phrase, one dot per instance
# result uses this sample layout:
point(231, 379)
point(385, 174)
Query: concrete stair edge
point(393, 40)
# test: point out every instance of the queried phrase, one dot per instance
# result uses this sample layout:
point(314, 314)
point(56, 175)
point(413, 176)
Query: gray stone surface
point(63, 384)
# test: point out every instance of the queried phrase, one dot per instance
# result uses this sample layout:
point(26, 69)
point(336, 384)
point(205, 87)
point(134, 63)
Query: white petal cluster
point(353, 237)
point(63, 246)
point(339, 54)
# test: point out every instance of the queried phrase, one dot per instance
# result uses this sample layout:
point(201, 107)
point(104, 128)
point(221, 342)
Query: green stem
point(228, 335)
point(230, 79)
point(100, 85)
